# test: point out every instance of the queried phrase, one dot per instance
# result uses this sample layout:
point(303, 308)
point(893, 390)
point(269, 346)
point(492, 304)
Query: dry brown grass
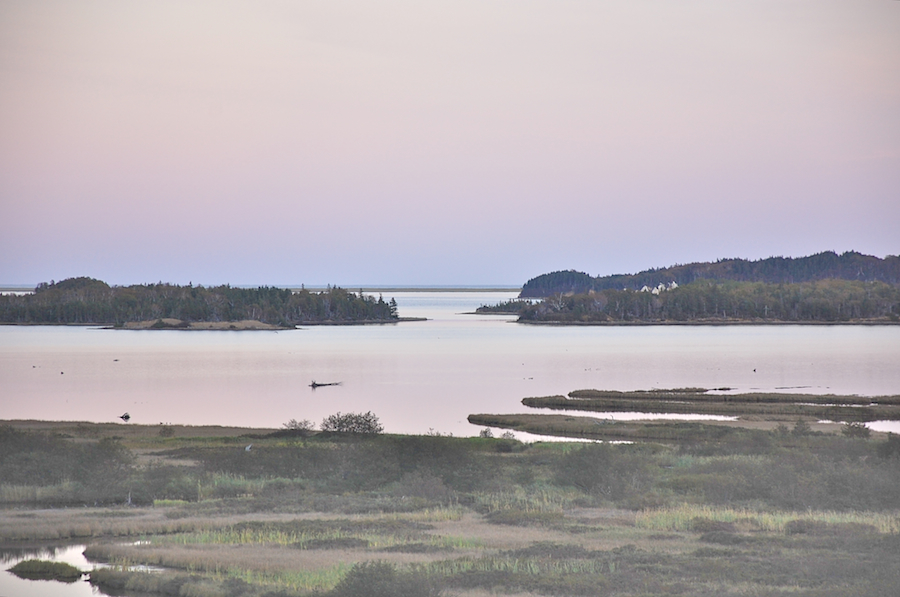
point(87, 523)
point(171, 323)
point(587, 427)
point(128, 431)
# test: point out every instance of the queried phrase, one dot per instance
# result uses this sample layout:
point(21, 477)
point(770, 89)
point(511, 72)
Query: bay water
point(419, 376)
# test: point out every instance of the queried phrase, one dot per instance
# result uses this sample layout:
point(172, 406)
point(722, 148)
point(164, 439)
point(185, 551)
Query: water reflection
point(11, 585)
point(419, 375)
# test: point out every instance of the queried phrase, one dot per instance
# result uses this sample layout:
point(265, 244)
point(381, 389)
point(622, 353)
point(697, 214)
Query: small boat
point(315, 384)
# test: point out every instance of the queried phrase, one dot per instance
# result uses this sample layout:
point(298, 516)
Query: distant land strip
point(832, 408)
point(386, 289)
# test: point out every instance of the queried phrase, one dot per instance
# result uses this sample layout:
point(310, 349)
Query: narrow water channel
point(13, 586)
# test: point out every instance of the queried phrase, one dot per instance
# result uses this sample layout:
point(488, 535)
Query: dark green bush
point(855, 429)
point(612, 471)
point(724, 538)
point(522, 518)
point(352, 423)
point(380, 579)
point(890, 447)
point(336, 543)
point(706, 525)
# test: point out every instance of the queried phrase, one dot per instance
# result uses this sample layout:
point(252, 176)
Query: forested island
point(823, 288)
point(83, 301)
point(774, 270)
point(706, 301)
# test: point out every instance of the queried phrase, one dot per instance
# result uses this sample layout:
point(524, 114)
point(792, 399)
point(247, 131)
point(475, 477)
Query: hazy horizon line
point(349, 287)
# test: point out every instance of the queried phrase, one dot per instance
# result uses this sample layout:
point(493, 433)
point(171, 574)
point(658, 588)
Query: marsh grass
point(688, 517)
point(717, 512)
point(724, 406)
point(217, 584)
point(514, 565)
point(516, 517)
point(703, 395)
point(531, 499)
point(63, 524)
point(854, 409)
point(586, 427)
point(426, 515)
point(169, 503)
point(375, 533)
point(44, 570)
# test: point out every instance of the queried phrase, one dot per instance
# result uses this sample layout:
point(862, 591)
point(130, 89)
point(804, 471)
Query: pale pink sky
point(440, 142)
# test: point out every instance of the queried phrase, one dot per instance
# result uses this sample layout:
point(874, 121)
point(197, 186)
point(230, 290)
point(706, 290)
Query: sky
point(457, 142)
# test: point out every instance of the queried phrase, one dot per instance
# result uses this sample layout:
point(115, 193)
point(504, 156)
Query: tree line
point(820, 301)
point(88, 301)
point(774, 270)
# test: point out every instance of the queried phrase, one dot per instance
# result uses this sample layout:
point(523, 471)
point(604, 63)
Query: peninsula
point(820, 289)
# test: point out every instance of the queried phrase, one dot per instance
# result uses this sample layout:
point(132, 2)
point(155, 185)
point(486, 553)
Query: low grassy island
point(349, 511)
point(703, 402)
point(44, 570)
point(86, 301)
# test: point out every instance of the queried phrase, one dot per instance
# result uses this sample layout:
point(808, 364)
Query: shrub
point(380, 579)
point(801, 428)
point(304, 425)
point(613, 472)
point(423, 485)
point(891, 446)
point(352, 423)
point(855, 429)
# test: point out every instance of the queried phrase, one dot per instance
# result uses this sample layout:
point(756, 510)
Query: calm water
point(12, 586)
point(415, 376)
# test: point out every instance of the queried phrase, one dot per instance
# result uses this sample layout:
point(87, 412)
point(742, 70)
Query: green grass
point(726, 405)
point(731, 512)
point(703, 395)
point(684, 518)
point(45, 570)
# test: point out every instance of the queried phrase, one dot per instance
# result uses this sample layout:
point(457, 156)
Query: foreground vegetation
point(89, 301)
point(705, 511)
